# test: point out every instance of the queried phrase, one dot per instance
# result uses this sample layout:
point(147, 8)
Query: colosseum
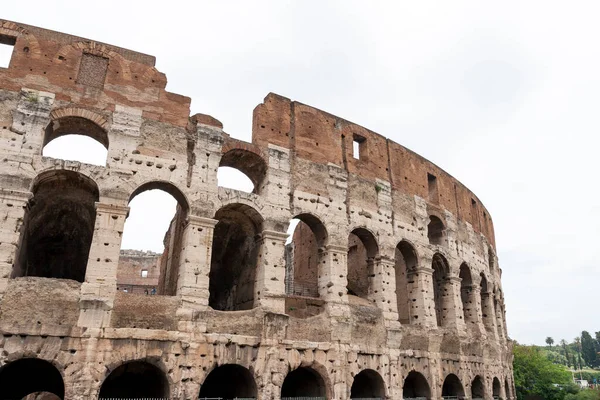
point(388, 289)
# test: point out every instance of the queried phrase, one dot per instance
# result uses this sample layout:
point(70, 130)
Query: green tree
point(549, 341)
point(588, 349)
point(535, 374)
point(586, 394)
point(563, 343)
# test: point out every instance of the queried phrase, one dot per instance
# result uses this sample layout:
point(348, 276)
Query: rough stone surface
point(398, 256)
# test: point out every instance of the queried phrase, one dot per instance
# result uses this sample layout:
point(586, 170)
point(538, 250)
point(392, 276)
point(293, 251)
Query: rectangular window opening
point(433, 188)
point(358, 147)
point(144, 273)
point(7, 45)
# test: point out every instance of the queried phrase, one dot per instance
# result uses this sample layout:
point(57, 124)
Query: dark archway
point(441, 270)
point(303, 382)
point(135, 379)
point(496, 388)
point(477, 388)
point(229, 381)
point(452, 387)
point(362, 250)
point(235, 250)
point(466, 293)
point(58, 227)
point(506, 389)
point(249, 163)
point(304, 256)
point(406, 263)
point(30, 375)
point(486, 311)
point(415, 386)
point(436, 231)
point(368, 384)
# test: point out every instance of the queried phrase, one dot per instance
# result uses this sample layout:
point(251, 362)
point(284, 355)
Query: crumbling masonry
point(390, 288)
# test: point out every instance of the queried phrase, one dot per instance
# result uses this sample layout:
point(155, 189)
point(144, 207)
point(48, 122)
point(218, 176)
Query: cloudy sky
point(502, 95)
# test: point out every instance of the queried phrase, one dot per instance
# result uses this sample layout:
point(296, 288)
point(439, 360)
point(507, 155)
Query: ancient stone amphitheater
point(389, 289)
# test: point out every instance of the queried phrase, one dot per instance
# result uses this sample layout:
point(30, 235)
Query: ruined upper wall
point(320, 137)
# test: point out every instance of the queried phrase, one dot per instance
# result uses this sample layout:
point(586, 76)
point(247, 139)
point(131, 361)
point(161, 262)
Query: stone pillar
point(454, 315)
point(30, 119)
point(98, 290)
point(269, 284)
point(420, 293)
point(382, 289)
point(477, 322)
point(470, 309)
point(333, 275)
point(194, 262)
point(499, 317)
point(13, 205)
point(488, 314)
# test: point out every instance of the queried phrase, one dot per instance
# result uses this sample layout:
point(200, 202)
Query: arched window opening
point(496, 388)
point(149, 260)
point(303, 382)
point(466, 293)
point(304, 255)
point(436, 231)
point(506, 389)
point(235, 250)
point(228, 382)
point(58, 227)
point(247, 163)
point(135, 379)
point(234, 179)
point(30, 375)
point(368, 384)
point(415, 387)
point(486, 312)
point(477, 390)
point(406, 262)
point(362, 250)
point(452, 388)
point(76, 139)
point(439, 279)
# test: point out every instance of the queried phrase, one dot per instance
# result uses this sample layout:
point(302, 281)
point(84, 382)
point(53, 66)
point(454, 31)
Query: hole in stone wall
point(433, 194)
point(496, 388)
point(134, 380)
point(368, 384)
point(415, 386)
point(477, 390)
point(30, 375)
point(440, 274)
point(303, 382)
point(452, 388)
point(506, 389)
point(466, 293)
point(76, 148)
point(235, 250)
point(362, 250)
point(228, 382)
point(151, 243)
point(234, 179)
point(7, 45)
point(359, 147)
point(406, 261)
point(435, 231)
point(58, 227)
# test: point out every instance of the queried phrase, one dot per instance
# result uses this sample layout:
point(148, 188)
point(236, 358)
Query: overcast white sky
point(503, 95)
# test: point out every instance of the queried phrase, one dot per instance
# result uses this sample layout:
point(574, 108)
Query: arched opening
point(406, 263)
point(368, 384)
point(486, 312)
point(435, 231)
point(466, 293)
point(415, 387)
point(135, 379)
point(248, 163)
point(303, 382)
point(58, 227)
point(506, 389)
point(477, 389)
point(150, 252)
point(452, 388)
point(227, 382)
point(235, 249)
point(304, 255)
point(76, 139)
point(362, 250)
point(439, 279)
point(496, 388)
point(30, 375)
point(232, 178)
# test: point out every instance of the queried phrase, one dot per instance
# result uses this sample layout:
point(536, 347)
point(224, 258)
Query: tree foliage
point(535, 374)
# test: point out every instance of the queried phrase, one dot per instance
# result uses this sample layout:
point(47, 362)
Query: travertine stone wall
point(302, 165)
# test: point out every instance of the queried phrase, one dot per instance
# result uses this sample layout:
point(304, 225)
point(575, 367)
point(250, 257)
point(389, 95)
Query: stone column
point(477, 322)
point(269, 284)
point(499, 317)
point(488, 314)
point(13, 205)
point(470, 309)
point(420, 294)
point(98, 290)
point(333, 272)
point(382, 289)
point(194, 262)
point(454, 315)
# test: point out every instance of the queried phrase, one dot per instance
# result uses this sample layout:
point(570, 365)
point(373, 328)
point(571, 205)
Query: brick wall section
point(131, 264)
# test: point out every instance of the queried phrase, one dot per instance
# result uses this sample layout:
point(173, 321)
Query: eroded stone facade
point(404, 300)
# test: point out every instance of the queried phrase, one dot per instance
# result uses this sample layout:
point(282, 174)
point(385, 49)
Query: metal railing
point(415, 398)
point(304, 398)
